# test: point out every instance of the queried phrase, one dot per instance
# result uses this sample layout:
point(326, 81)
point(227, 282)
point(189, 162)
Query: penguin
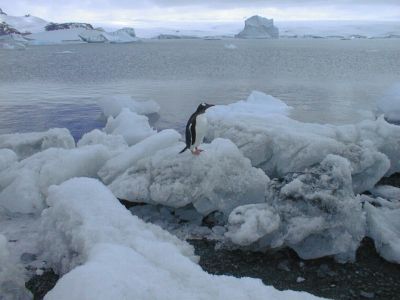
point(196, 129)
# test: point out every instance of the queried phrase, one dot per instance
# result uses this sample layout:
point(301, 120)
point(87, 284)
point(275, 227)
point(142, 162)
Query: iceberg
point(27, 144)
point(257, 27)
point(133, 127)
point(124, 35)
point(219, 179)
point(103, 252)
point(314, 212)
point(279, 145)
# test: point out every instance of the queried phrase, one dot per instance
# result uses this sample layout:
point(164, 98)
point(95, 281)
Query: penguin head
point(202, 107)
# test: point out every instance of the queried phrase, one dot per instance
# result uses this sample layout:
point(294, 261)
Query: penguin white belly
point(201, 130)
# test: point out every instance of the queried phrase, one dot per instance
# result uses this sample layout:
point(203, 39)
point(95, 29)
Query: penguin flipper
point(184, 149)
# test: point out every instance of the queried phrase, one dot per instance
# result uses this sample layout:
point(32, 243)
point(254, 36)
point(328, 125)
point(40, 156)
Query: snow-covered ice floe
point(221, 178)
point(279, 145)
point(103, 252)
point(23, 186)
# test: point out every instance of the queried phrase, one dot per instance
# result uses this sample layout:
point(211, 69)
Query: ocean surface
point(325, 80)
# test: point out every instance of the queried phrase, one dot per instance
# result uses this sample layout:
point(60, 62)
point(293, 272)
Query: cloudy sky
point(140, 12)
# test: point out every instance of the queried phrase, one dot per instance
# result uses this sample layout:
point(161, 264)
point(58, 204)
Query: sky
point(159, 12)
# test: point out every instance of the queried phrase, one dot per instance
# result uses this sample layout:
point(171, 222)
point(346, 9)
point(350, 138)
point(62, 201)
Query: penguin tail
point(184, 149)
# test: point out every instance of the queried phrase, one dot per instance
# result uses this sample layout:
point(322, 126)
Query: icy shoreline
point(264, 182)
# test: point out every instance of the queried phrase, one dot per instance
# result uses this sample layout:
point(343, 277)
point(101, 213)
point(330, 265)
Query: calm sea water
point(326, 81)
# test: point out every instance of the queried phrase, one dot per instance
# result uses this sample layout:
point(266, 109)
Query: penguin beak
point(209, 105)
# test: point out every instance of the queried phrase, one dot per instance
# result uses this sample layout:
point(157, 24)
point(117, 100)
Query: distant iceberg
point(258, 27)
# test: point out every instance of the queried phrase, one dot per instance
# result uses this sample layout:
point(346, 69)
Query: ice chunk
point(384, 228)
point(133, 127)
point(12, 278)
point(119, 164)
point(7, 158)
point(112, 142)
point(26, 144)
point(280, 145)
point(23, 187)
point(389, 105)
point(314, 212)
point(111, 254)
point(218, 179)
point(257, 27)
point(387, 192)
point(113, 105)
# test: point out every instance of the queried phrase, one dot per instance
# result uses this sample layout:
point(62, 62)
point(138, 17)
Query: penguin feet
point(197, 151)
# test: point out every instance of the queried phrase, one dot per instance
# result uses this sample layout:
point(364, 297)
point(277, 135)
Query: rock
point(259, 28)
point(58, 26)
point(28, 257)
point(6, 29)
point(367, 295)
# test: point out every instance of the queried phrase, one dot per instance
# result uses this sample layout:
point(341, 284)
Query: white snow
point(12, 278)
point(257, 27)
point(384, 228)
point(280, 145)
point(315, 213)
point(113, 105)
point(26, 144)
point(109, 254)
point(218, 179)
point(133, 127)
point(24, 185)
point(24, 23)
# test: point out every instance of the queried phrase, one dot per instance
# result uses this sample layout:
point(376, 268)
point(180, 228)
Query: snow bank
point(389, 105)
point(120, 163)
point(113, 105)
point(384, 228)
point(133, 127)
point(24, 185)
point(118, 256)
point(26, 144)
point(257, 27)
point(218, 179)
point(315, 213)
point(12, 278)
point(280, 145)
